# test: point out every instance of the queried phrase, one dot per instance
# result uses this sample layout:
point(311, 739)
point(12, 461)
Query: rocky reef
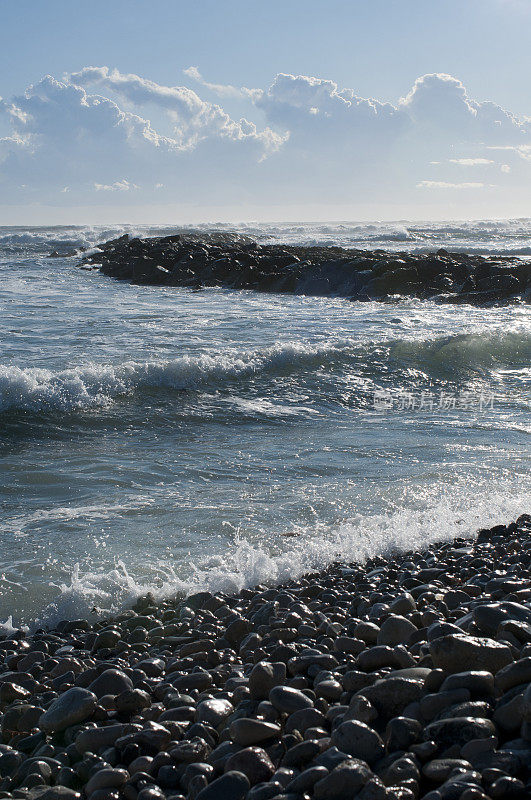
point(405, 677)
point(237, 262)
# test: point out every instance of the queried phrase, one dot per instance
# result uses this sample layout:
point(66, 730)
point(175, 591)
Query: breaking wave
point(457, 511)
point(98, 385)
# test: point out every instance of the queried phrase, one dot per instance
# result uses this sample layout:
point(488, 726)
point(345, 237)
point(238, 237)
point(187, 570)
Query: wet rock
point(213, 711)
point(230, 786)
point(107, 779)
point(458, 731)
point(358, 740)
point(288, 700)
point(246, 731)
point(456, 653)
point(253, 762)
point(344, 782)
point(264, 676)
point(111, 681)
point(395, 630)
point(70, 708)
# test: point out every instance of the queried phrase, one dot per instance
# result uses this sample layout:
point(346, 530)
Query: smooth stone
point(288, 700)
point(107, 779)
point(479, 682)
point(514, 674)
point(359, 741)
point(94, 739)
point(401, 732)
point(246, 731)
point(509, 715)
point(301, 753)
point(305, 782)
point(390, 696)
point(440, 769)
point(230, 786)
point(344, 781)
point(456, 653)
point(73, 706)
point(253, 762)
point(458, 731)
point(112, 681)
point(213, 711)
point(303, 719)
point(395, 630)
point(264, 676)
point(131, 701)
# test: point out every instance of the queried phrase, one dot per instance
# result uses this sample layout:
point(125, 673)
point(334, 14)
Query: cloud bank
point(99, 133)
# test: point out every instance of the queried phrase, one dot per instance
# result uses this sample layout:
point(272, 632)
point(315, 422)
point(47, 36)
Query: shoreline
point(233, 261)
point(364, 680)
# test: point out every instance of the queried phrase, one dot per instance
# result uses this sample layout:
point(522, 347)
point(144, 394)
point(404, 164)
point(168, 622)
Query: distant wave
point(503, 237)
point(98, 385)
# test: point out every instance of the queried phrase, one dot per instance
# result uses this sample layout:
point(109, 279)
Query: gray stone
point(264, 676)
point(343, 782)
point(247, 731)
point(230, 786)
point(390, 696)
point(253, 762)
point(358, 740)
point(395, 630)
point(73, 706)
point(458, 731)
point(112, 681)
point(213, 711)
point(107, 778)
point(513, 675)
point(288, 700)
point(456, 653)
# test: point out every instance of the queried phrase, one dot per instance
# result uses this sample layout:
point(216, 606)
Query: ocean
point(169, 440)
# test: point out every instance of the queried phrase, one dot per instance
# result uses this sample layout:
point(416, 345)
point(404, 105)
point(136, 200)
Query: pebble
point(358, 740)
point(407, 678)
point(70, 708)
point(248, 731)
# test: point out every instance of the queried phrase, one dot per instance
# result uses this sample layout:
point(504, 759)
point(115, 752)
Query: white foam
point(426, 516)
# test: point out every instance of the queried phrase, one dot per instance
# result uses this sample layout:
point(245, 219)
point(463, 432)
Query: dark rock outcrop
point(238, 262)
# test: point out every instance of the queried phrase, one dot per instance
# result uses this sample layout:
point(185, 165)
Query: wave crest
point(98, 385)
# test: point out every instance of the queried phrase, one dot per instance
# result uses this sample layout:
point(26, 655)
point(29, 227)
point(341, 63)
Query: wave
point(438, 514)
point(98, 385)
point(495, 237)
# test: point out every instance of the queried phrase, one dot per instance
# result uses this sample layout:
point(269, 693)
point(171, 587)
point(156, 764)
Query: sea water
point(169, 440)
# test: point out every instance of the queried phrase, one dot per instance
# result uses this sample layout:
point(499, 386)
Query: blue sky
point(316, 144)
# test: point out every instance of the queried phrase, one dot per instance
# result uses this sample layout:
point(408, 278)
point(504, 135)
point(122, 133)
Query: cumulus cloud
point(222, 89)
point(310, 140)
point(194, 119)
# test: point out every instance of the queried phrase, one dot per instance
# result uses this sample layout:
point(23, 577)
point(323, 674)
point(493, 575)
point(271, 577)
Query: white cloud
point(118, 186)
point(448, 185)
point(472, 162)
point(323, 143)
point(222, 89)
point(194, 119)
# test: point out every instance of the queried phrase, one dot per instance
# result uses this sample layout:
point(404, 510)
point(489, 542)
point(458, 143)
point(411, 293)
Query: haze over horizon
point(192, 112)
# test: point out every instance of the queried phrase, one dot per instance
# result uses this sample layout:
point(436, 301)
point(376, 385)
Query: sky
point(163, 111)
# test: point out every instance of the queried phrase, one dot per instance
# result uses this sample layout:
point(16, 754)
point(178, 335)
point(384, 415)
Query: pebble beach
point(405, 677)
